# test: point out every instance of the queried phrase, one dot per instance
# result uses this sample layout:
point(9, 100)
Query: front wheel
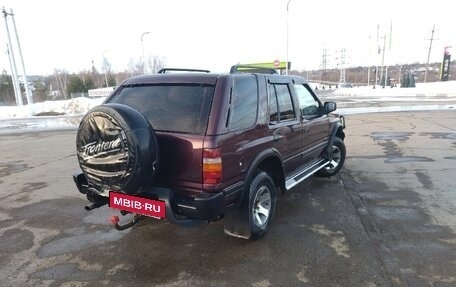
point(337, 159)
point(261, 204)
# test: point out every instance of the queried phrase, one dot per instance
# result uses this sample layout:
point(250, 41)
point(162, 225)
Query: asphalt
point(388, 219)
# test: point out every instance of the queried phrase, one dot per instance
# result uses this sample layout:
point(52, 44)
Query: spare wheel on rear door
point(117, 149)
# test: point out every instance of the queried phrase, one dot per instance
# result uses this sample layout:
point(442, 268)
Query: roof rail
point(252, 69)
point(165, 70)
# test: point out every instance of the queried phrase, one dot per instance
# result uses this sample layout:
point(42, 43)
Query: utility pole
point(13, 78)
point(429, 53)
point(17, 88)
point(27, 88)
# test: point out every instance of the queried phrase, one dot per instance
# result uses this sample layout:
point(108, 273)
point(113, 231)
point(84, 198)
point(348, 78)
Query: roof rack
point(165, 70)
point(252, 69)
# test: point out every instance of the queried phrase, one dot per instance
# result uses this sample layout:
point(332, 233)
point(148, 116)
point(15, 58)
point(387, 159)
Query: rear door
point(284, 123)
point(315, 123)
point(178, 112)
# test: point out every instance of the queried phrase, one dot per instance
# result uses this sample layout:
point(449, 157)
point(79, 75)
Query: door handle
point(277, 138)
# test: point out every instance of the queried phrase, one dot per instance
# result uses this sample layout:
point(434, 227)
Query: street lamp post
point(286, 64)
point(142, 46)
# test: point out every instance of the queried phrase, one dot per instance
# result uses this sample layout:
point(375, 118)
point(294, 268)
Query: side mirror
point(330, 107)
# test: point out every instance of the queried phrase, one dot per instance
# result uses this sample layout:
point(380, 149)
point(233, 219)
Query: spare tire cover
point(117, 149)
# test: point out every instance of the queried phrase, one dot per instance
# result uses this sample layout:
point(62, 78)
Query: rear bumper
point(188, 211)
point(180, 209)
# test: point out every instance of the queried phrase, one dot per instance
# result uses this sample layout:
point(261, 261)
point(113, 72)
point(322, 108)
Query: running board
point(302, 175)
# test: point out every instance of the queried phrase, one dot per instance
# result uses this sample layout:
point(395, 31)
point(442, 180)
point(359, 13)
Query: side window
point(280, 103)
point(273, 108)
point(308, 105)
point(244, 102)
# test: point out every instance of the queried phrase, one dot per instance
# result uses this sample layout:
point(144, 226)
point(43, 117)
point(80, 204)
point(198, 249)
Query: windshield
point(175, 108)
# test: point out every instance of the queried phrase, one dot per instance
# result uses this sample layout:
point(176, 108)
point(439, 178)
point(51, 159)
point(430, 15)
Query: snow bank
point(73, 107)
point(429, 89)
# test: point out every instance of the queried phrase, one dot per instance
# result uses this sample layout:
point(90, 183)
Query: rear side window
point(244, 102)
point(174, 108)
point(280, 103)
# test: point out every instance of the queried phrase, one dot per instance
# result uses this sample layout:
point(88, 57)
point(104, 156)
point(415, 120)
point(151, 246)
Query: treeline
point(60, 85)
point(359, 75)
point(64, 85)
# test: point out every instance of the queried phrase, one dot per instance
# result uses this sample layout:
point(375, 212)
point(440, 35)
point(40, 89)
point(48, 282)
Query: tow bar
point(115, 220)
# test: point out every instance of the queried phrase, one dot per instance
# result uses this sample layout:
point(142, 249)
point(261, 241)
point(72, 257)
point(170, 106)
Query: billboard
point(445, 70)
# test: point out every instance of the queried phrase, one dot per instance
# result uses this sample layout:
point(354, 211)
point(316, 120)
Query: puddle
point(66, 272)
point(447, 136)
point(54, 213)
point(79, 241)
point(396, 213)
point(391, 135)
point(9, 168)
point(16, 240)
point(390, 149)
point(408, 159)
point(425, 180)
point(338, 242)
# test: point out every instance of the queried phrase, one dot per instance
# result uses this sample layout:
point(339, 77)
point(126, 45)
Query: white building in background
point(102, 92)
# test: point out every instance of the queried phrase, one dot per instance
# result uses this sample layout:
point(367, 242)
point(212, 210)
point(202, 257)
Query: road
point(388, 219)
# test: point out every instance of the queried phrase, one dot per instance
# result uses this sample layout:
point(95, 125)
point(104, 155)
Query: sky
point(69, 35)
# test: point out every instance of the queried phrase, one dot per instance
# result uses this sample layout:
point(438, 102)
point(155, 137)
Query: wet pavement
point(388, 219)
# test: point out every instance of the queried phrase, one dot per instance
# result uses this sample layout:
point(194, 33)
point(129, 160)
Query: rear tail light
point(212, 166)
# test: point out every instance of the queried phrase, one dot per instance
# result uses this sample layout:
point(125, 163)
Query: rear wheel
point(337, 159)
point(261, 204)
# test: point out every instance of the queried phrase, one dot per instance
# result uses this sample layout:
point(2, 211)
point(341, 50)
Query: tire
point(337, 159)
point(116, 149)
point(262, 201)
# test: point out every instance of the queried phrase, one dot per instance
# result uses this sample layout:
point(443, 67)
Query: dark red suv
point(194, 147)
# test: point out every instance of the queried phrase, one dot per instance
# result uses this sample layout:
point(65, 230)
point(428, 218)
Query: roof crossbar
point(165, 70)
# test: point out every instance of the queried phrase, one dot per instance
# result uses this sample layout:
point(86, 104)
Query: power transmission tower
point(429, 52)
point(383, 80)
point(342, 66)
point(324, 64)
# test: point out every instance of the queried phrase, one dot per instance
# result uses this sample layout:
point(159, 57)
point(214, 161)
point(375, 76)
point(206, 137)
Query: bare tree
point(155, 63)
point(135, 67)
point(61, 77)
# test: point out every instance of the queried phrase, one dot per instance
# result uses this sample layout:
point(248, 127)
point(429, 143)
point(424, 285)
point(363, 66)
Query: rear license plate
point(135, 204)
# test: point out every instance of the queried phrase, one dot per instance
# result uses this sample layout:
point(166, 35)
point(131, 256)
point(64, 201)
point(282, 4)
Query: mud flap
point(237, 223)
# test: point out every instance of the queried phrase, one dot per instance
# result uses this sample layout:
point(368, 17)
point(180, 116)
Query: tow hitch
point(115, 220)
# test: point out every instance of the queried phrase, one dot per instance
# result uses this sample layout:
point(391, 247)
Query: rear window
point(174, 108)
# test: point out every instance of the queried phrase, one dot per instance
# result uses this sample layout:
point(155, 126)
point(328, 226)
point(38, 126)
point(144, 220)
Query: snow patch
point(73, 107)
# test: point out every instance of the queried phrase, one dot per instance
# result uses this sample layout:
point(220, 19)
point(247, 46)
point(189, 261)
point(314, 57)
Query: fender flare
point(268, 153)
point(234, 220)
point(338, 126)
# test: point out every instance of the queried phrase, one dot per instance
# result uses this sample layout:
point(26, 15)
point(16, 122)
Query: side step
point(305, 173)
